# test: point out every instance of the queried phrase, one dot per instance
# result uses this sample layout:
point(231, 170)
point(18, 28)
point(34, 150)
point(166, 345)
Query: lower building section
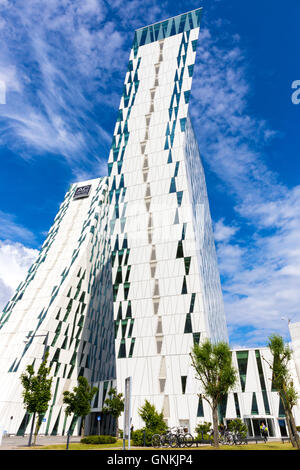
point(64, 307)
point(254, 399)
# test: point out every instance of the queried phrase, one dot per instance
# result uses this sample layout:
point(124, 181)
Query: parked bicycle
point(167, 439)
point(226, 438)
point(230, 438)
point(174, 437)
point(184, 438)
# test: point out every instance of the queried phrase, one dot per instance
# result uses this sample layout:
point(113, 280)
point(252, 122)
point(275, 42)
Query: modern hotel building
point(127, 279)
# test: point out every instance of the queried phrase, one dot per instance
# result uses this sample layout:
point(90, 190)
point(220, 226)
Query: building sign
point(82, 191)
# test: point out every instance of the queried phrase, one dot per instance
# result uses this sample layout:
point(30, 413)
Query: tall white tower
point(166, 284)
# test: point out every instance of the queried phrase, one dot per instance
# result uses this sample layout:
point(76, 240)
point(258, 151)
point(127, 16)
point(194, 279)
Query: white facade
point(167, 292)
point(66, 295)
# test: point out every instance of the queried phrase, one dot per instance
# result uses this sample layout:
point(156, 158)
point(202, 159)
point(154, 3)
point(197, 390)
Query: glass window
point(242, 360)
point(254, 406)
point(200, 411)
point(184, 287)
point(131, 347)
point(179, 253)
point(188, 324)
point(179, 198)
point(196, 338)
point(183, 383)
point(282, 427)
point(187, 263)
point(237, 406)
point(122, 349)
point(172, 186)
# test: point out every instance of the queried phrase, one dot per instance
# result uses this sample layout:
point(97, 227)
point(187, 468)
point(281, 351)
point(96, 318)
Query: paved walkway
point(19, 442)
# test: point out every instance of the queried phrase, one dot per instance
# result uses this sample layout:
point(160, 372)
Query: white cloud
point(223, 232)
point(15, 260)
point(261, 280)
point(12, 230)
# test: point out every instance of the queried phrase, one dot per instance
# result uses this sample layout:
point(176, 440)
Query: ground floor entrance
point(253, 425)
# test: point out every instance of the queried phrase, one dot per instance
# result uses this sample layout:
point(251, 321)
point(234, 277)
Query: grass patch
point(119, 445)
point(80, 446)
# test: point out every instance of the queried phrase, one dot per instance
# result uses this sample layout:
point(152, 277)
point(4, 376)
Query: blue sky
point(63, 63)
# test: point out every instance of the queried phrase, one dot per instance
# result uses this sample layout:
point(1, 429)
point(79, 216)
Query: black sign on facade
point(82, 191)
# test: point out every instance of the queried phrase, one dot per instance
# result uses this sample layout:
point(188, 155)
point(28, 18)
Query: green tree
point(213, 365)
point(154, 420)
point(79, 401)
point(203, 430)
point(154, 424)
point(36, 393)
point(283, 383)
point(114, 405)
point(238, 427)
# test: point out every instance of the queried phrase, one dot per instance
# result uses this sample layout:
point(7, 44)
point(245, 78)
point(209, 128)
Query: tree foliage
point(114, 405)
point(238, 427)
point(154, 421)
point(79, 400)
point(283, 382)
point(214, 369)
point(37, 391)
point(154, 424)
point(203, 430)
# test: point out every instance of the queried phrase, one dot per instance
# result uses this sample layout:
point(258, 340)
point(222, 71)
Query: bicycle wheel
point(188, 440)
point(164, 440)
point(180, 440)
point(156, 441)
point(173, 441)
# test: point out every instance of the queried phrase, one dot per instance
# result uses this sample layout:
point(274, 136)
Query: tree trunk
point(294, 429)
point(288, 422)
point(117, 428)
point(215, 424)
point(37, 428)
point(31, 430)
point(82, 426)
point(288, 419)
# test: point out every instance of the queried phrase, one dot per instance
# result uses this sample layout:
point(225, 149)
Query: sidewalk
point(20, 442)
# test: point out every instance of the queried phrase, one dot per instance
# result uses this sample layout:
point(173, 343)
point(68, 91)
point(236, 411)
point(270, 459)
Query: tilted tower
point(166, 284)
point(131, 254)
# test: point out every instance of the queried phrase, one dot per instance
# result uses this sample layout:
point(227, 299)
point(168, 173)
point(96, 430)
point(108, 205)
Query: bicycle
point(168, 439)
point(184, 439)
point(240, 439)
point(156, 441)
point(227, 438)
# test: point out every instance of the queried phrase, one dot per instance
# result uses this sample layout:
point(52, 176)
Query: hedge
point(98, 440)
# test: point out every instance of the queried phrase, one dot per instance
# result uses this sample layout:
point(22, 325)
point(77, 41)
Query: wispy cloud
point(261, 279)
point(11, 229)
point(15, 260)
point(64, 66)
point(258, 247)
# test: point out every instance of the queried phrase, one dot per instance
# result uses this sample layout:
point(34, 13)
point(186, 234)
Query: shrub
point(154, 420)
point(98, 440)
point(204, 429)
point(238, 427)
point(138, 437)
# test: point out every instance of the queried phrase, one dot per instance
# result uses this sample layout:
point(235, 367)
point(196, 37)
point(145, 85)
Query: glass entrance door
point(256, 426)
